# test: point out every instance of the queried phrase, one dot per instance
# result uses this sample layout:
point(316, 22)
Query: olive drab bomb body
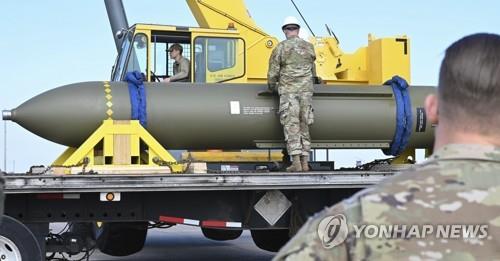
point(223, 116)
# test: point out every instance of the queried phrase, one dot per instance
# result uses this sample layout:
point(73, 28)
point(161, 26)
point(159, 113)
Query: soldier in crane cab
point(291, 71)
point(181, 65)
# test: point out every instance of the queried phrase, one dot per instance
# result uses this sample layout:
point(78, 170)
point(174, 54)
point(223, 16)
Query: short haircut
point(469, 84)
point(176, 46)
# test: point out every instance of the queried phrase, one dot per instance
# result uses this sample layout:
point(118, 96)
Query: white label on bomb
point(235, 107)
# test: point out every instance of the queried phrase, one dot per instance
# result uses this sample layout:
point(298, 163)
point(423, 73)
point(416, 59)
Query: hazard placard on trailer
point(272, 206)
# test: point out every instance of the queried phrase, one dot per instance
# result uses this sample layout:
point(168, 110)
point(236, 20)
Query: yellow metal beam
point(64, 156)
point(239, 156)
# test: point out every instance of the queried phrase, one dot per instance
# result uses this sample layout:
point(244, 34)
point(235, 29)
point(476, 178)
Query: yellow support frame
point(404, 156)
point(121, 139)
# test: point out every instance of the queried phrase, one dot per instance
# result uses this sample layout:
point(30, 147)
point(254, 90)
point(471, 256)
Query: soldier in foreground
point(291, 68)
point(457, 188)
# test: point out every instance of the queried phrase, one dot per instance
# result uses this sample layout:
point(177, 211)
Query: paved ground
point(188, 243)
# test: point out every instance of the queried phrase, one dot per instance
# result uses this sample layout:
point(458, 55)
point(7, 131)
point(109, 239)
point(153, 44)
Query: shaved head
point(469, 84)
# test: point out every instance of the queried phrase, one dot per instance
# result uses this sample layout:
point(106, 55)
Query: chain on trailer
point(40, 169)
point(170, 164)
point(85, 162)
point(381, 165)
point(375, 165)
point(189, 161)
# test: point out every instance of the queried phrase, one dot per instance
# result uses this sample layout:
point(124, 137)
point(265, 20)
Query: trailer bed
point(22, 183)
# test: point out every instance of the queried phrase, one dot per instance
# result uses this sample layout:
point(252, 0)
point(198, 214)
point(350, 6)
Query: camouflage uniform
point(291, 68)
point(459, 184)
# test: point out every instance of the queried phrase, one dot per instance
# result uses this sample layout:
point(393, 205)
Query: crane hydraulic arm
point(216, 14)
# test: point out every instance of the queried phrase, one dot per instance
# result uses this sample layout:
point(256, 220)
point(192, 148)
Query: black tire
point(21, 237)
point(270, 239)
point(221, 234)
point(121, 238)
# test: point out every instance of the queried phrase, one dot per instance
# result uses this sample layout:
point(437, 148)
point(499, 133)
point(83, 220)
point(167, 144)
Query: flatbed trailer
point(273, 205)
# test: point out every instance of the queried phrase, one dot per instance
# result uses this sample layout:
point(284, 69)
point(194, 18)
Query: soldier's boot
point(304, 161)
point(296, 166)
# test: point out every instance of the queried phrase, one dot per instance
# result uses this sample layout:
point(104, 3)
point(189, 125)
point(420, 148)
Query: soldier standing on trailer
point(291, 71)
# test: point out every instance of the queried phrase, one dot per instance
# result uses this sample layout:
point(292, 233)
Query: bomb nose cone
point(6, 115)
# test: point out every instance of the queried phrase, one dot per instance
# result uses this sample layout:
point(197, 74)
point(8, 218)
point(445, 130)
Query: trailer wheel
point(17, 242)
point(121, 238)
point(221, 234)
point(270, 239)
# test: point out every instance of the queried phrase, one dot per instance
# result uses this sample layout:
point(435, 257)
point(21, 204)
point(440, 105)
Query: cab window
point(120, 62)
point(137, 60)
point(162, 64)
point(218, 59)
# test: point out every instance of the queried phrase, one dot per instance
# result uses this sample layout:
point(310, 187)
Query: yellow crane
point(228, 46)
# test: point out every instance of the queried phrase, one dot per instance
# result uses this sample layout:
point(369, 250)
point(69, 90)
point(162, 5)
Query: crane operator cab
point(229, 46)
point(215, 55)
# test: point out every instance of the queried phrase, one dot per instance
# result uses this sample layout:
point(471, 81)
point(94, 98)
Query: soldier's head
point(175, 50)
point(468, 100)
point(291, 27)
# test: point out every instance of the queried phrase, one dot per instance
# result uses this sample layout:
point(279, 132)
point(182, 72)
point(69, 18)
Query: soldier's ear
point(431, 108)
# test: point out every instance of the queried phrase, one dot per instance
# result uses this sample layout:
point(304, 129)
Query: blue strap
point(137, 94)
point(404, 116)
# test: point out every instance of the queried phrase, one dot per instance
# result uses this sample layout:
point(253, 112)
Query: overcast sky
point(46, 44)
